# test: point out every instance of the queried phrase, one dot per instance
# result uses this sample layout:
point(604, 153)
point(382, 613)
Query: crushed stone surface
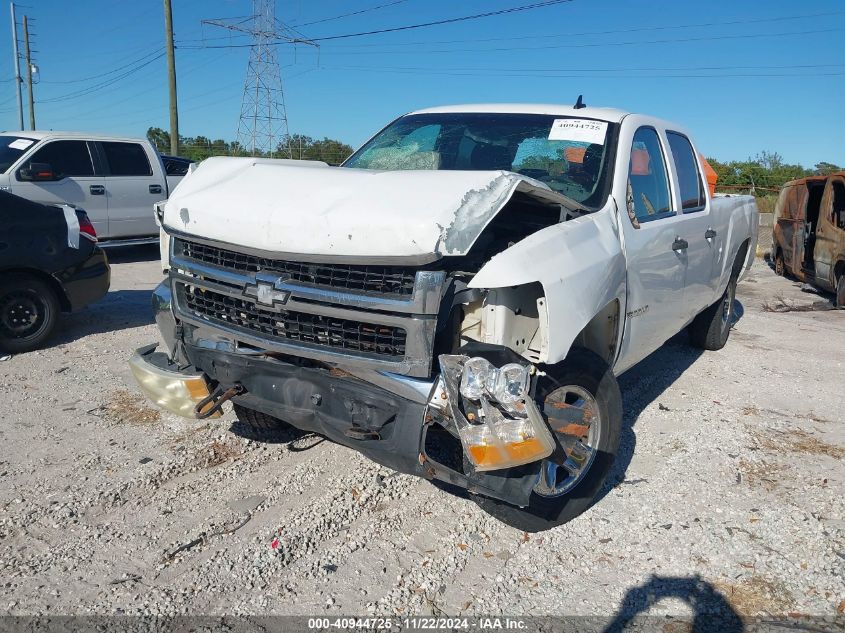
point(728, 490)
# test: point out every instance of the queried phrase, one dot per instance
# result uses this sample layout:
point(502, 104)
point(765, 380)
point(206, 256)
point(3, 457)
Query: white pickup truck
point(116, 180)
point(456, 300)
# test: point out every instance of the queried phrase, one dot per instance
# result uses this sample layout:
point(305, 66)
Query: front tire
point(840, 292)
point(29, 311)
point(712, 327)
point(259, 421)
point(583, 392)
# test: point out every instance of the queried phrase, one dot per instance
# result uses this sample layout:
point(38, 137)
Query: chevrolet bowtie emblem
point(266, 292)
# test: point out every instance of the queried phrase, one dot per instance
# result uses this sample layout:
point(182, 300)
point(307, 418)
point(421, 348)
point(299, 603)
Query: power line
point(107, 73)
point(610, 32)
point(86, 91)
point(588, 45)
point(563, 74)
point(346, 15)
point(407, 27)
point(110, 106)
point(525, 7)
point(496, 69)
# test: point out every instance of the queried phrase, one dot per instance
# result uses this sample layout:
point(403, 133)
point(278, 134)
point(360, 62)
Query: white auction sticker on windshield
point(21, 143)
point(579, 130)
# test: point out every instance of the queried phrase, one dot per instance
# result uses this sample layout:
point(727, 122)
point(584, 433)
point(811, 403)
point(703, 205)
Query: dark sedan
point(49, 263)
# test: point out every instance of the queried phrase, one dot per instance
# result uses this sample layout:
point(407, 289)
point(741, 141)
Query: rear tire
point(712, 327)
point(259, 421)
point(29, 311)
point(840, 292)
point(582, 370)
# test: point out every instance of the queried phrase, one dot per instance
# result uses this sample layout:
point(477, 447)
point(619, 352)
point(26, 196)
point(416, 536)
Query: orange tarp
point(712, 177)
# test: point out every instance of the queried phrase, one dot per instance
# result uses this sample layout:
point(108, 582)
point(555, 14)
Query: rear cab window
point(648, 196)
point(175, 166)
point(126, 159)
point(690, 183)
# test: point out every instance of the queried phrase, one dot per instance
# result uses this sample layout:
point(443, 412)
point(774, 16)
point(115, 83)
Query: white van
point(116, 180)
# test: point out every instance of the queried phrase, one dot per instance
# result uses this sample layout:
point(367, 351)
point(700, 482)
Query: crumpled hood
point(310, 208)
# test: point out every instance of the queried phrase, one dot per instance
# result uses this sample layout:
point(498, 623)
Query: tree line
point(296, 146)
point(763, 174)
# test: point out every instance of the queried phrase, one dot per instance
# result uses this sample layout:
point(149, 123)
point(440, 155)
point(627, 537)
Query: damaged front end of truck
point(416, 340)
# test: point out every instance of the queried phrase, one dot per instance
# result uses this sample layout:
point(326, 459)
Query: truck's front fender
point(580, 265)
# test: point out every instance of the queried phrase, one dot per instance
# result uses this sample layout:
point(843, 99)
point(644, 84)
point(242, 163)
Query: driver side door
point(77, 181)
point(656, 254)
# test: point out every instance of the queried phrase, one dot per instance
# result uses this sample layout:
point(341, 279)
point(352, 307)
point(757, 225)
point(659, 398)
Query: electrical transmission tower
point(263, 125)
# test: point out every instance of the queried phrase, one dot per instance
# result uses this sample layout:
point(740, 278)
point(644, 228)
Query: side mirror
point(38, 172)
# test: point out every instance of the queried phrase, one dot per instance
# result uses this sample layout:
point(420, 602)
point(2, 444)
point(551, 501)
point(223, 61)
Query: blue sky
point(743, 76)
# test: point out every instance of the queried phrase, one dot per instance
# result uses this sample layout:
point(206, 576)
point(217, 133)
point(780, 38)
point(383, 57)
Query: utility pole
point(17, 64)
point(29, 73)
point(264, 120)
point(171, 74)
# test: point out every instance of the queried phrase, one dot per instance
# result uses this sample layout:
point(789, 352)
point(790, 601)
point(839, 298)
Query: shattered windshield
point(569, 154)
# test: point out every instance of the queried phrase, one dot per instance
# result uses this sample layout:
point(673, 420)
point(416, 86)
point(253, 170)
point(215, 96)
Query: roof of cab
point(37, 135)
point(604, 114)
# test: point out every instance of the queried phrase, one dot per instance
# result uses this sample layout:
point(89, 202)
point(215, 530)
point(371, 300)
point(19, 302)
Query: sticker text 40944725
point(578, 130)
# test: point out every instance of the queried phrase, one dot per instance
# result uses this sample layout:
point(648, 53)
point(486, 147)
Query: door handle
point(680, 244)
point(97, 190)
point(155, 188)
point(709, 234)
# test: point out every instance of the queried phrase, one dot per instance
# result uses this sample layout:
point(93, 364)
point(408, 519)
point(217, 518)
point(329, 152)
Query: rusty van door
point(829, 251)
point(788, 229)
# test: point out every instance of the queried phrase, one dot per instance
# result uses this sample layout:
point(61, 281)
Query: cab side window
point(67, 158)
point(126, 159)
point(648, 181)
point(689, 178)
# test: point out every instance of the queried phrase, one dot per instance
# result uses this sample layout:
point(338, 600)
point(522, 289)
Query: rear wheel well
point(839, 270)
point(64, 302)
point(739, 262)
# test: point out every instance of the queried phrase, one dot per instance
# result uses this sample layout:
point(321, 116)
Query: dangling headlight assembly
point(498, 423)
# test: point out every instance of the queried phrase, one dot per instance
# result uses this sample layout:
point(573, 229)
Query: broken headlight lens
point(507, 384)
point(511, 383)
point(478, 373)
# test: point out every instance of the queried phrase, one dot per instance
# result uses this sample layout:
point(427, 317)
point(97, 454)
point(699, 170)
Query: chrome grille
point(381, 280)
point(292, 326)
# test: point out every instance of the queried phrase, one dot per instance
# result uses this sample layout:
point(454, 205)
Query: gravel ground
point(727, 492)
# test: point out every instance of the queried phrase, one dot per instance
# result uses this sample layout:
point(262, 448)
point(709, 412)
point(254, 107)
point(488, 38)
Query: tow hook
point(216, 400)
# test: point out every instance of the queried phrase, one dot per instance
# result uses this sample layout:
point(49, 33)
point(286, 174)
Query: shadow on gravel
point(129, 254)
point(297, 440)
point(118, 310)
point(711, 610)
